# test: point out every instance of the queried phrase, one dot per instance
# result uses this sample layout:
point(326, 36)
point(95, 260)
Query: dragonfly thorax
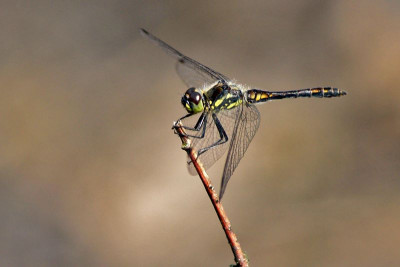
point(193, 101)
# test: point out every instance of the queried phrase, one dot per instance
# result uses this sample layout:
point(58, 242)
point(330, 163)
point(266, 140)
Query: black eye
point(193, 96)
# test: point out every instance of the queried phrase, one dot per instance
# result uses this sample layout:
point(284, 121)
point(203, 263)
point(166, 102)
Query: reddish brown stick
point(240, 258)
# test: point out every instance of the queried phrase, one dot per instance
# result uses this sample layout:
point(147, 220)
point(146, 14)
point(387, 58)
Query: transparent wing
point(227, 119)
point(193, 73)
point(246, 125)
point(194, 77)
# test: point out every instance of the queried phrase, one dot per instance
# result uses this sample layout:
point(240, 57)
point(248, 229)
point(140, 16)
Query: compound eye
point(192, 95)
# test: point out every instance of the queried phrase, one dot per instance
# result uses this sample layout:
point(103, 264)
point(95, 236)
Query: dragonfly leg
point(222, 134)
point(200, 125)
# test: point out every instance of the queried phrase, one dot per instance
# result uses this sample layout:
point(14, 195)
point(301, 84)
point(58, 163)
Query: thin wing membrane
point(193, 73)
point(246, 125)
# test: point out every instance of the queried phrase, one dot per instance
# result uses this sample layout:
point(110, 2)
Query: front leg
point(200, 125)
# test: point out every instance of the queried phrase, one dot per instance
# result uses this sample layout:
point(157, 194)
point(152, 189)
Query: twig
point(240, 258)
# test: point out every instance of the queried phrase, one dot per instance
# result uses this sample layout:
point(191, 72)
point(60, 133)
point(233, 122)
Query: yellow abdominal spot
point(258, 96)
point(314, 91)
point(252, 95)
point(264, 95)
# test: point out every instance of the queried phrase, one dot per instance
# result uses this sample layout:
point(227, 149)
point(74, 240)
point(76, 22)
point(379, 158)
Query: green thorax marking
point(219, 99)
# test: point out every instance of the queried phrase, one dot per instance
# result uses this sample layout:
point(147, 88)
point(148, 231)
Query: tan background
point(92, 175)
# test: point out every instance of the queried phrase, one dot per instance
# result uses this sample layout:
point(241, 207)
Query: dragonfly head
point(193, 100)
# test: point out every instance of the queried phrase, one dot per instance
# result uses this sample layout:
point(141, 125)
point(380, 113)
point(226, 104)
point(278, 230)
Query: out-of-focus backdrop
point(91, 173)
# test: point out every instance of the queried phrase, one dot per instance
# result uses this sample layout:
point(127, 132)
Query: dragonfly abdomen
point(258, 96)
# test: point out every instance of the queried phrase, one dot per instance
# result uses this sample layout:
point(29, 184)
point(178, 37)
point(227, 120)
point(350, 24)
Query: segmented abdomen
point(257, 96)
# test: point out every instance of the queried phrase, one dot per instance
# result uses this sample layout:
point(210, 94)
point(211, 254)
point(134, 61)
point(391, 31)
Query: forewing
point(193, 76)
point(193, 73)
point(227, 119)
point(246, 125)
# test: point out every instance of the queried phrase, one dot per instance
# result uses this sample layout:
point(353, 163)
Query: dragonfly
point(228, 118)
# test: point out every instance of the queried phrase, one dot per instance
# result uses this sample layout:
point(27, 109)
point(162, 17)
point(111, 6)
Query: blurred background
point(91, 173)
